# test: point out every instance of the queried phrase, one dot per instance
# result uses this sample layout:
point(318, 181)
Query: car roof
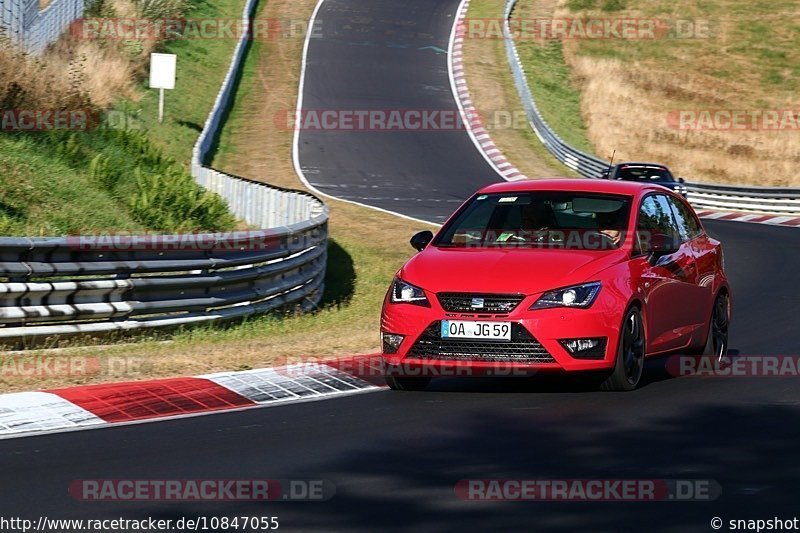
point(627, 188)
point(649, 165)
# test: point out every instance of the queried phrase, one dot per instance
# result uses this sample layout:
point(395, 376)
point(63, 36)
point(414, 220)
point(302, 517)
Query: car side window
point(655, 216)
point(688, 225)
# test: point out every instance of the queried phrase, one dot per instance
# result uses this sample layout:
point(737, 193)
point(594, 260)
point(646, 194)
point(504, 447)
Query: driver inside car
point(607, 224)
point(535, 218)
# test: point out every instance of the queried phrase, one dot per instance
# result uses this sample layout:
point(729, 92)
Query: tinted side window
point(655, 216)
point(688, 226)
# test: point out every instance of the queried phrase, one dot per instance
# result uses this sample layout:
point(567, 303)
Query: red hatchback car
point(566, 275)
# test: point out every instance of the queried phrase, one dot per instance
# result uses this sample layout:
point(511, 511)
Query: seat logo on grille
point(477, 303)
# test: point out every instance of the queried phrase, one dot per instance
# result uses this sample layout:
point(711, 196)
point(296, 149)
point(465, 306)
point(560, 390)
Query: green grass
point(553, 90)
point(748, 37)
point(42, 195)
point(238, 117)
point(102, 180)
point(201, 67)
point(108, 180)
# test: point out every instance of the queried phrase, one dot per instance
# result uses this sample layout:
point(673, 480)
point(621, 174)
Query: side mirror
point(681, 180)
point(422, 239)
point(661, 245)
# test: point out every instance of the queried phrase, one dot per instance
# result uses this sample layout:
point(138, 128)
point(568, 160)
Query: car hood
point(516, 270)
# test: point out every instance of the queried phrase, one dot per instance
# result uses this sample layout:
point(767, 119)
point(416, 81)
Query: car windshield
point(539, 219)
point(644, 174)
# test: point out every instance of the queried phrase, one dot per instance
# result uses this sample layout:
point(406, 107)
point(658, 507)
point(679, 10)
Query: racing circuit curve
point(395, 458)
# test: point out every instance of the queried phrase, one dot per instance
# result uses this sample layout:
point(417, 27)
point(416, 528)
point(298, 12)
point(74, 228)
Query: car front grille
point(522, 347)
point(458, 302)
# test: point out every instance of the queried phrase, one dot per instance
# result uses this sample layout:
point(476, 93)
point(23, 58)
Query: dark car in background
point(651, 173)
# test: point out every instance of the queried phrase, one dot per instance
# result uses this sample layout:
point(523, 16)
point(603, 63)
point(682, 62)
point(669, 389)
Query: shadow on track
point(655, 371)
point(726, 444)
point(408, 483)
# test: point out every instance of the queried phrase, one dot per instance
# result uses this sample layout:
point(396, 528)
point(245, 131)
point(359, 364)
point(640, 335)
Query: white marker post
point(162, 76)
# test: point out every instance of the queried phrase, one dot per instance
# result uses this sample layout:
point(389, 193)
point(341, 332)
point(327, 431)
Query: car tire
point(717, 339)
point(629, 365)
point(408, 384)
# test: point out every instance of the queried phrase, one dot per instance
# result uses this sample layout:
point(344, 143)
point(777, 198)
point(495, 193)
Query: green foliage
point(127, 180)
point(550, 82)
point(100, 9)
point(140, 181)
point(153, 9)
point(580, 5)
point(613, 5)
point(171, 201)
point(101, 173)
point(40, 194)
point(161, 9)
point(69, 149)
point(136, 142)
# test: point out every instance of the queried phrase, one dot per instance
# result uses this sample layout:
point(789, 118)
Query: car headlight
point(403, 292)
point(577, 296)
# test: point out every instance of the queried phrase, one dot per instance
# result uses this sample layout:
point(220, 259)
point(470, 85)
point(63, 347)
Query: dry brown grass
point(74, 72)
point(36, 83)
point(749, 63)
point(106, 73)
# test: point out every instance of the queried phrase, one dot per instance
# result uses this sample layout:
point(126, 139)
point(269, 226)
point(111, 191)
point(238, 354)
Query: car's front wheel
point(629, 365)
point(717, 341)
point(406, 383)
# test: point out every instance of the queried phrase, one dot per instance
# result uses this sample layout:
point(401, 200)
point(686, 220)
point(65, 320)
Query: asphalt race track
point(388, 56)
point(396, 457)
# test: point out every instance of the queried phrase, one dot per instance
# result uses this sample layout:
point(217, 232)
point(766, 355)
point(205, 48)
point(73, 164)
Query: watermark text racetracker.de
point(739, 366)
point(144, 29)
point(31, 368)
point(77, 120)
point(184, 523)
point(371, 120)
point(394, 120)
point(588, 490)
point(733, 120)
point(48, 119)
point(201, 490)
point(247, 240)
point(620, 28)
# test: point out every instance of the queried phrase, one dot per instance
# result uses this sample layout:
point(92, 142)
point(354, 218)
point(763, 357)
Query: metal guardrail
point(708, 196)
point(53, 287)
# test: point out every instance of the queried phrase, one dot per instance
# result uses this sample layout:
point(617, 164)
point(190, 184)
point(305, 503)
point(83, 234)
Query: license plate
point(463, 329)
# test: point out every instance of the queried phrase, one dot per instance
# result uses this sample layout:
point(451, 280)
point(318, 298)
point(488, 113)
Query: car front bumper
point(535, 347)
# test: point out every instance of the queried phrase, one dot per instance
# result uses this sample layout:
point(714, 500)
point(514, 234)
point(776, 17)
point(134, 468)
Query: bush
point(161, 9)
point(151, 187)
point(174, 202)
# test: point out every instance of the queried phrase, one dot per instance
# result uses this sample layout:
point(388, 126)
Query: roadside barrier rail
point(59, 286)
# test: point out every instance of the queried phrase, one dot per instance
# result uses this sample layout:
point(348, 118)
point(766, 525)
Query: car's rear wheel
point(629, 366)
point(407, 383)
point(717, 342)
